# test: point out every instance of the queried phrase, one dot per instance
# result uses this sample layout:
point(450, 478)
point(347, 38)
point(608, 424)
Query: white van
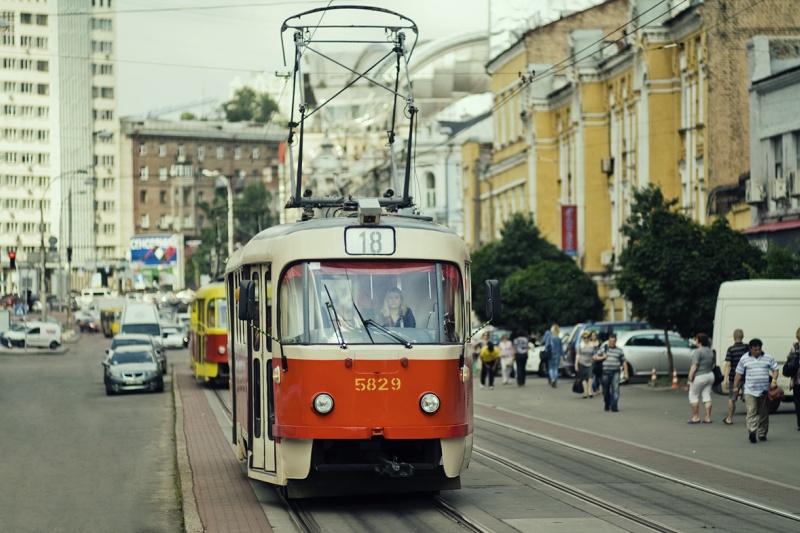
point(36, 335)
point(768, 309)
point(141, 318)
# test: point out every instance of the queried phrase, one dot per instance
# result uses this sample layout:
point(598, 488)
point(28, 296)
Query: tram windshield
point(356, 302)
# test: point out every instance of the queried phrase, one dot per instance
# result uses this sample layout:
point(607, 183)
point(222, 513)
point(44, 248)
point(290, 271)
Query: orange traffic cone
point(675, 384)
point(653, 377)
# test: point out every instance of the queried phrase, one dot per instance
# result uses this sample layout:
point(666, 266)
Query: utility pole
point(42, 290)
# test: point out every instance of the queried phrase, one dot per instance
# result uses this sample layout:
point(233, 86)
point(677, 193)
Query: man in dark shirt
point(734, 353)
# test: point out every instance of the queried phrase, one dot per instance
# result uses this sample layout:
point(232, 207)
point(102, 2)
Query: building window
point(237, 153)
point(107, 92)
point(41, 42)
point(142, 197)
point(201, 152)
point(9, 63)
point(777, 145)
point(430, 193)
point(220, 152)
point(162, 197)
point(10, 110)
point(162, 150)
point(10, 86)
point(144, 221)
point(256, 154)
point(41, 20)
point(43, 89)
point(25, 41)
point(43, 66)
point(181, 152)
point(26, 64)
point(106, 114)
point(162, 173)
point(26, 88)
point(143, 173)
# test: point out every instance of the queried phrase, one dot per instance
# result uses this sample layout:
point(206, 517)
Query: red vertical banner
point(569, 229)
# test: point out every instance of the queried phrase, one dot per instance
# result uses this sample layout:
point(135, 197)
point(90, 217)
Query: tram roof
point(285, 236)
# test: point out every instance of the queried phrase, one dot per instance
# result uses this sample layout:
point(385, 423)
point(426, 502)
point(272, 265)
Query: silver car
point(132, 368)
point(132, 339)
point(646, 349)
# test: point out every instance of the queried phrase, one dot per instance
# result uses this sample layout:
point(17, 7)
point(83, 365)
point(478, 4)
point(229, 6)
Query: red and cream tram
point(348, 332)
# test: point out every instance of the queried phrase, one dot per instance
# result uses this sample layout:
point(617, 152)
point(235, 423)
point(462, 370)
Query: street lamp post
point(229, 189)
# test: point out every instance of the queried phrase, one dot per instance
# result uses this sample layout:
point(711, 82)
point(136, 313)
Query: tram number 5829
point(377, 384)
point(372, 241)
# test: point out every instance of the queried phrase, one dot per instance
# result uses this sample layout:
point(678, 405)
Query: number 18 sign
point(370, 240)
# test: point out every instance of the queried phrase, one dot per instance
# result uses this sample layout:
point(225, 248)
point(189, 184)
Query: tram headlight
point(429, 403)
point(466, 372)
point(323, 403)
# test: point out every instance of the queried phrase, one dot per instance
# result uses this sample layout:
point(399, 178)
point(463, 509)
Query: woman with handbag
point(583, 364)
point(701, 379)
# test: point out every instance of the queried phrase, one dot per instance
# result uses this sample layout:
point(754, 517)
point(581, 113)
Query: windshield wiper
point(363, 322)
point(399, 338)
point(333, 316)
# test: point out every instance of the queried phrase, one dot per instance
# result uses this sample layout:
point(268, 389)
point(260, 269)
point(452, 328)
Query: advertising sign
point(155, 250)
point(569, 229)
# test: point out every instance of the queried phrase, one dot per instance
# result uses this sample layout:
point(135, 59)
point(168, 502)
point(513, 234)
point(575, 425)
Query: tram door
point(263, 446)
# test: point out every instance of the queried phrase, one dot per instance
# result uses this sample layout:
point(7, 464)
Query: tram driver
point(394, 313)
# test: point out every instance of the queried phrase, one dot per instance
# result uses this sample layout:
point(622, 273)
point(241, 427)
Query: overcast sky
point(178, 52)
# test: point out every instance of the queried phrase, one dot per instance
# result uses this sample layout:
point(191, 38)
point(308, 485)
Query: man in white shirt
point(760, 372)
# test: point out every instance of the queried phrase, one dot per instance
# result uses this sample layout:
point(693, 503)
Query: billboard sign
point(155, 250)
point(569, 229)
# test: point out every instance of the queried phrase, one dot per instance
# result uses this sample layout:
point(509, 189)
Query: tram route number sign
point(363, 240)
point(377, 384)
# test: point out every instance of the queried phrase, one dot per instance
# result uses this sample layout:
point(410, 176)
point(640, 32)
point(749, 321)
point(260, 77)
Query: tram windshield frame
point(344, 302)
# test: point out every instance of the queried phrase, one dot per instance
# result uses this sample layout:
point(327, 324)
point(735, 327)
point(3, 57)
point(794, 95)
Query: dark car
point(134, 339)
point(131, 368)
point(603, 330)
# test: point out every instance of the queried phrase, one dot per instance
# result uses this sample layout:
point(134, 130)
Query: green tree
point(539, 283)
point(188, 115)
point(251, 211)
point(672, 267)
point(248, 105)
point(549, 291)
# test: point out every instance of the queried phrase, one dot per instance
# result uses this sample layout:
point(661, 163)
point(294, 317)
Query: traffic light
point(12, 258)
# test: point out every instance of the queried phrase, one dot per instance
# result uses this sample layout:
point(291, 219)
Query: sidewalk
point(217, 496)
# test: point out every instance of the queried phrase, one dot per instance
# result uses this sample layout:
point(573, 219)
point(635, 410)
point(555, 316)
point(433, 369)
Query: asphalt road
point(77, 460)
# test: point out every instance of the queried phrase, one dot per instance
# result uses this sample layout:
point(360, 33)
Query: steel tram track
point(305, 522)
point(633, 466)
point(571, 491)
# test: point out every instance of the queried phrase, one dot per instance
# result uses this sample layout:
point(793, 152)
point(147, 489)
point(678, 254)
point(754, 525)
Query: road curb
point(191, 515)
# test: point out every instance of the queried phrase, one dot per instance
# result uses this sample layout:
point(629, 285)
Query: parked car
point(139, 339)
point(647, 349)
point(132, 368)
point(603, 330)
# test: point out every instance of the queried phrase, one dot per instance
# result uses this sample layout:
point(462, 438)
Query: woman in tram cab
point(394, 313)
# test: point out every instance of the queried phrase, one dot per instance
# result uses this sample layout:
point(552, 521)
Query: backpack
point(792, 364)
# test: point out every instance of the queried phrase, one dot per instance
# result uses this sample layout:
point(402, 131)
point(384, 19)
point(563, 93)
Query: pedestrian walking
point(477, 346)
point(506, 357)
point(613, 359)
point(794, 379)
point(556, 353)
point(583, 363)
point(596, 376)
point(701, 379)
point(521, 356)
point(760, 373)
point(732, 356)
point(490, 356)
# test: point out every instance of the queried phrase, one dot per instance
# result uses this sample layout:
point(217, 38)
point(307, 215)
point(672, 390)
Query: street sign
point(19, 310)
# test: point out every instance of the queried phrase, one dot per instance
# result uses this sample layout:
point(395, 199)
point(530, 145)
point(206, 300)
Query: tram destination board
point(361, 240)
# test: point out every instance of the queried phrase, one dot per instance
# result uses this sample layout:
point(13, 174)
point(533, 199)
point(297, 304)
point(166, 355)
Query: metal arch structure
point(305, 41)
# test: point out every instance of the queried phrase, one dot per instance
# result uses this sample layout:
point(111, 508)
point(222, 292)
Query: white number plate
point(369, 241)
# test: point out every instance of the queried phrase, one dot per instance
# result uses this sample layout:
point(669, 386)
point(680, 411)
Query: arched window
point(430, 189)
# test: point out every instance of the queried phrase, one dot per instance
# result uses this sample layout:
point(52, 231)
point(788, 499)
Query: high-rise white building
point(59, 141)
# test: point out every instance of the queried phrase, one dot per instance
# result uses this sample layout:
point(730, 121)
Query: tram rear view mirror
point(247, 300)
point(492, 289)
